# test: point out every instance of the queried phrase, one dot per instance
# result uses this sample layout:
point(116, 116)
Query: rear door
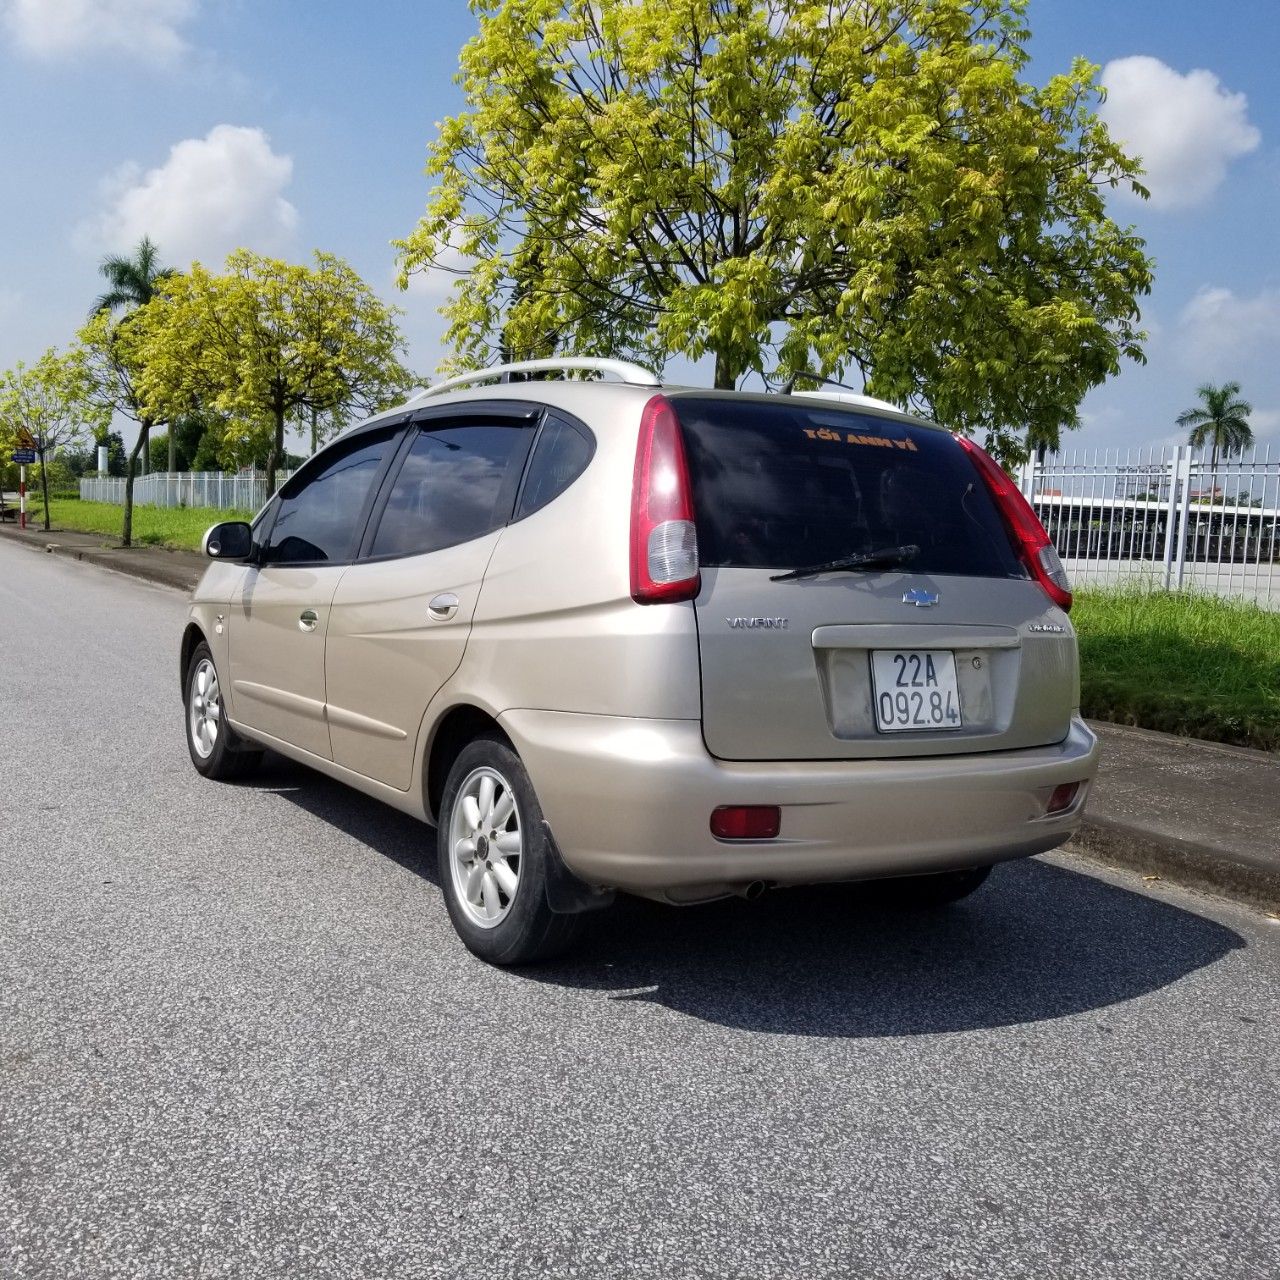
point(952, 650)
point(402, 615)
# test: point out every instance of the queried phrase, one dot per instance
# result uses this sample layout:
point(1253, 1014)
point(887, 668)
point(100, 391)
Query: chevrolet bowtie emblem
point(921, 599)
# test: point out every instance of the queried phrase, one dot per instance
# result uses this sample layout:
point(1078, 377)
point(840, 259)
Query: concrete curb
point(179, 570)
point(1191, 864)
point(176, 576)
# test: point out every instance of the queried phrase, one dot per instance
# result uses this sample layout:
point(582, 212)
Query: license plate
point(915, 689)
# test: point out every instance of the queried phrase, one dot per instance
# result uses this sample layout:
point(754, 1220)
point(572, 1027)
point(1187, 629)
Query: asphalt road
point(239, 1039)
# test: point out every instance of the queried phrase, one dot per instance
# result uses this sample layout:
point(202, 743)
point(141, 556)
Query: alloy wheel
point(204, 715)
point(484, 846)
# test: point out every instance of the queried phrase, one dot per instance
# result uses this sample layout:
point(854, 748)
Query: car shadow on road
point(1038, 941)
point(397, 836)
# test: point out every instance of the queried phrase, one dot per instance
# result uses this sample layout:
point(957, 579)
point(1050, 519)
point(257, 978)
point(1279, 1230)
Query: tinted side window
point(262, 521)
point(320, 508)
point(456, 483)
point(780, 486)
point(559, 458)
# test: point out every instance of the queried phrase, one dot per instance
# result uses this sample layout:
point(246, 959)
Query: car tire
point(217, 751)
point(938, 890)
point(494, 854)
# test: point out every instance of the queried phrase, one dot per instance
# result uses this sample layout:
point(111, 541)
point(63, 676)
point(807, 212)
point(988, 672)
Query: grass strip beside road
point(181, 527)
point(1186, 663)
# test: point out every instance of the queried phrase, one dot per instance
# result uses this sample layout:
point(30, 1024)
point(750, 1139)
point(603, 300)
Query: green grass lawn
point(1189, 664)
point(152, 526)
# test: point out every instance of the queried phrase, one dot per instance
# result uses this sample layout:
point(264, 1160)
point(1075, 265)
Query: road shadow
point(1038, 941)
point(395, 835)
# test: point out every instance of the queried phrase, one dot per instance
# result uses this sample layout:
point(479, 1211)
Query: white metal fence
point(1169, 516)
point(245, 492)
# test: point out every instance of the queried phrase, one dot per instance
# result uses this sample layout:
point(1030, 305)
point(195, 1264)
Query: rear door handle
point(307, 620)
point(443, 606)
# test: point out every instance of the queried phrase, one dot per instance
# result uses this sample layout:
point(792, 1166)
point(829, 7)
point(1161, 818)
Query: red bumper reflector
point(1063, 797)
point(746, 822)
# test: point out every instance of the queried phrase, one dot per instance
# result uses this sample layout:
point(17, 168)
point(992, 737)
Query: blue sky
point(288, 126)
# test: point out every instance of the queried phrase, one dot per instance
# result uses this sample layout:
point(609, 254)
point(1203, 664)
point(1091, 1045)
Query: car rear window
point(778, 486)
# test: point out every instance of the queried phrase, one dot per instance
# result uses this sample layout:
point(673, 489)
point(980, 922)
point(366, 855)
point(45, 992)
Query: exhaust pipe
point(753, 890)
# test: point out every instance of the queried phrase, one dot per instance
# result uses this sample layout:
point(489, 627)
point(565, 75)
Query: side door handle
point(443, 606)
point(307, 620)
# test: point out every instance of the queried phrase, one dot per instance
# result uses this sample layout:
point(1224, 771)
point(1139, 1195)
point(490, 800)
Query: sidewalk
point(1198, 813)
point(180, 569)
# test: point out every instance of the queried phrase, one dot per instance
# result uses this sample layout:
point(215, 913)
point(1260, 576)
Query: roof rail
point(851, 397)
point(624, 371)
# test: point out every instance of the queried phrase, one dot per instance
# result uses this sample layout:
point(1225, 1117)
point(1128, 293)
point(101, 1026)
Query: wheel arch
point(191, 637)
point(461, 724)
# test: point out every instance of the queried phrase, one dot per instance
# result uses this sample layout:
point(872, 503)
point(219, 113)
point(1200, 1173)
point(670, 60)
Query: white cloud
point(1221, 330)
point(1186, 129)
point(212, 195)
point(146, 29)
point(436, 282)
point(451, 265)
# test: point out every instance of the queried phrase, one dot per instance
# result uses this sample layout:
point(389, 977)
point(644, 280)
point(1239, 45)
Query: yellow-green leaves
point(117, 352)
point(268, 340)
point(50, 404)
point(790, 186)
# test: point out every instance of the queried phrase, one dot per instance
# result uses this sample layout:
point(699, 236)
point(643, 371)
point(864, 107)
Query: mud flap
point(566, 894)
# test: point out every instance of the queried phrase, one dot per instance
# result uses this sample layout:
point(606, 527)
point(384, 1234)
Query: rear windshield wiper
point(884, 558)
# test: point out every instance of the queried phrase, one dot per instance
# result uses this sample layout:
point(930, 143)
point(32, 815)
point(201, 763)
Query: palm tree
point(133, 280)
point(1221, 421)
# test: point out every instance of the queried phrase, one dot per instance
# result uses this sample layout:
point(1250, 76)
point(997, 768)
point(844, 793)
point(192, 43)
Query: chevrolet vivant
point(608, 635)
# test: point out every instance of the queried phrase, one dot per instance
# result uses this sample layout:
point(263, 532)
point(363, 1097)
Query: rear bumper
point(629, 802)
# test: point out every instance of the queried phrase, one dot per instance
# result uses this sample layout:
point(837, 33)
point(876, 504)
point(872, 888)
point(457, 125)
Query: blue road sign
point(24, 455)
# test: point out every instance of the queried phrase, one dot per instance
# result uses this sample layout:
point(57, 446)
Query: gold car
point(608, 635)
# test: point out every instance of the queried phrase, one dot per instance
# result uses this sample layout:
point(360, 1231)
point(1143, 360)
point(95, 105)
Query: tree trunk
point(44, 485)
point(277, 451)
point(173, 446)
point(726, 374)
point(131, 467)
point(315, 443)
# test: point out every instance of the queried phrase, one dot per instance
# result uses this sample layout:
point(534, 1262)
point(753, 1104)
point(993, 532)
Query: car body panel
point(410, 801)
point(208, 616)
point(630, 803)
point(277, 666)
point(556, 626)
point(386, 655)
point(803, 691)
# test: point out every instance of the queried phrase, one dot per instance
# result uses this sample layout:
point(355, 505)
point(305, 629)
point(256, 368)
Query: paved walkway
point(180, 569)
point(1200, 811)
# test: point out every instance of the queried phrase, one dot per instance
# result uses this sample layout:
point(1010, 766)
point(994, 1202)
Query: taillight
point(1028, 535)
point(664, 541)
